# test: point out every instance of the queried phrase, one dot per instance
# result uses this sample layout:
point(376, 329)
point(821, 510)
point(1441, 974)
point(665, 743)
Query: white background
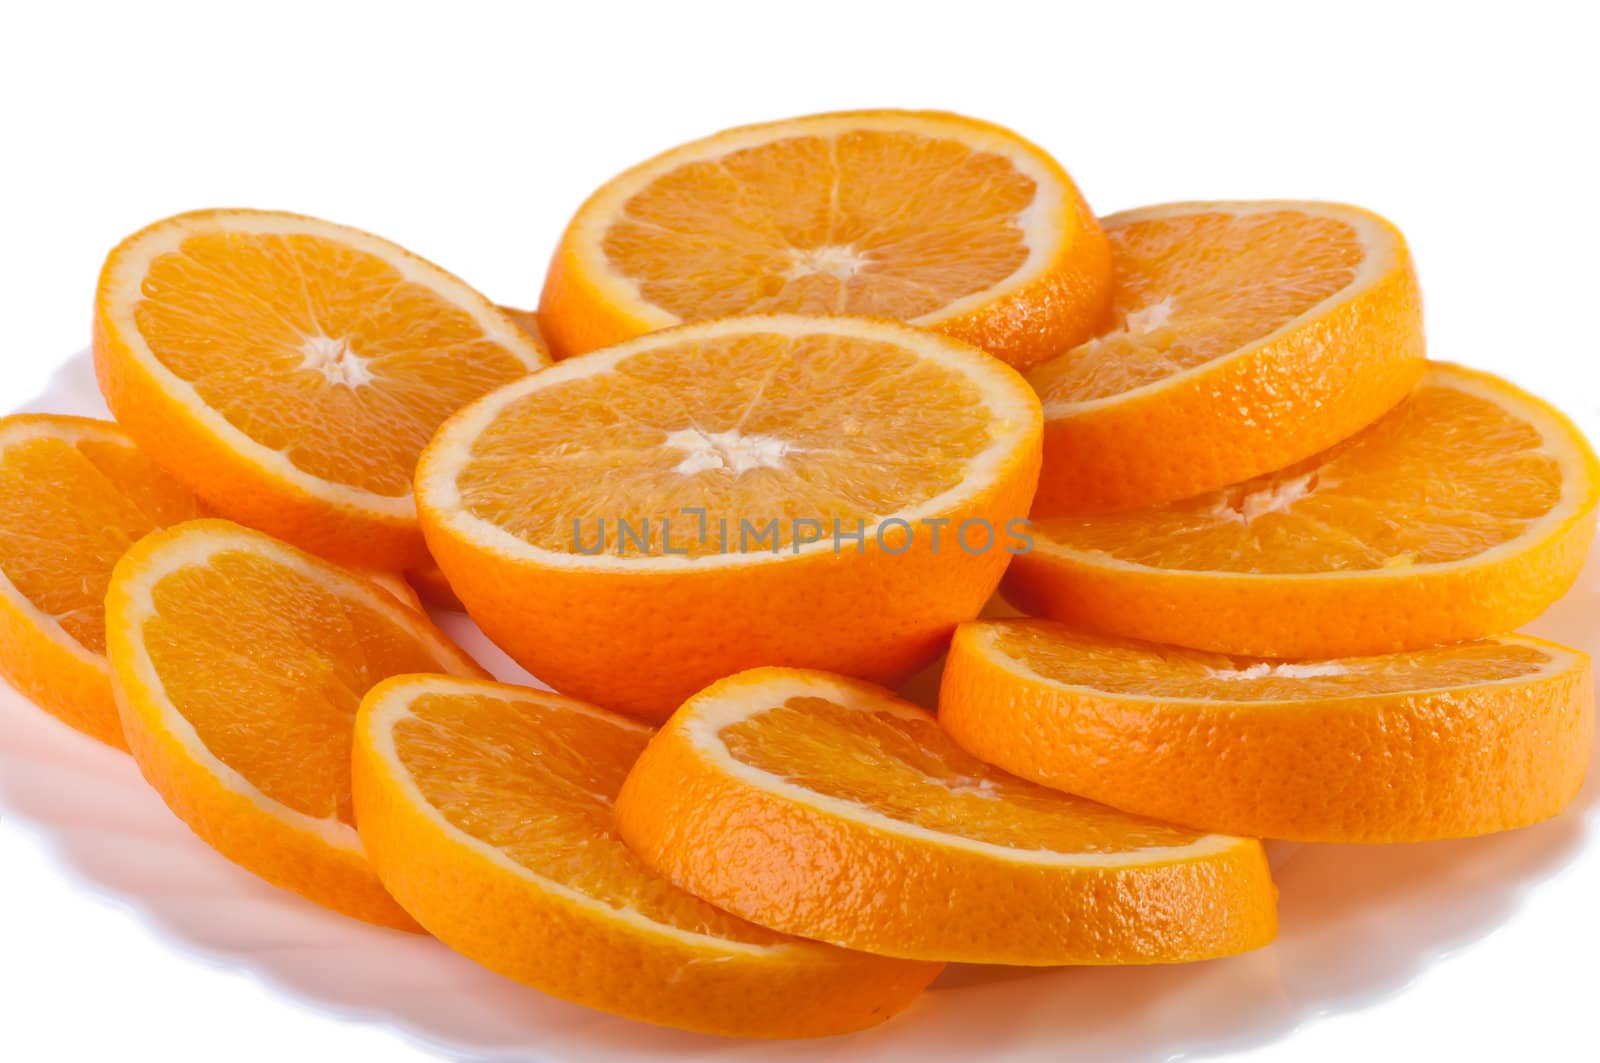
point(469, 132)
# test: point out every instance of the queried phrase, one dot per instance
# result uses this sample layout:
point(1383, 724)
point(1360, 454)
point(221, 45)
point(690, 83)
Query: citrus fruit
point(486, 809)
point(936, 219)
point(1448, 742)
point(827, 807)
point(1464, 512)
point(238, 664)
point(74, 495)
point(821, 492)
point(1245, 337)
point(289, 370)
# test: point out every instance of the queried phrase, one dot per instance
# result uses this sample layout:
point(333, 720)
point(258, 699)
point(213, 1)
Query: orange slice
point(527, 321)
point(1462, 513)
point(939, 220)
point(829, 808)
point(825, 492)
point(238, 664)
point(1439, 743)
point(487, 811)
point(74, 495)
point(1245, 337)
point(289, 371)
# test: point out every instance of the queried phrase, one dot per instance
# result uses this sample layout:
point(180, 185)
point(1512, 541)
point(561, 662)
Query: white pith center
point(1264, 670)
point(334, 359)
point(1275, 497)
point(1138, 323)
point(839, 260)
point(731, 450)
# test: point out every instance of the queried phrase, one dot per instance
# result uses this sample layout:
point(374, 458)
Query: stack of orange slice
point(823, 386)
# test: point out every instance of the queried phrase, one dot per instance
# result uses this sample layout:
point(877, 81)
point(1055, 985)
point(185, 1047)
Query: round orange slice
point(1439, 743)
point(238, 664)
point(74, 495)
point(1462, 513)
point(939, 220)
point(1245, 337)
point(809, 491)
point(289, 370)
point(486, 809)
point(827, 807)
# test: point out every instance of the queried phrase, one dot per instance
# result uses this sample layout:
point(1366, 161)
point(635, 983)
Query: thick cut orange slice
point(1439, 743)
point(486, 810)
point(1462, 513)
point(238, 664)
point(74, 495)
point(810, 491)
point(829, 808)
point(1245, 337)
point(935, 219)
point(289, 370)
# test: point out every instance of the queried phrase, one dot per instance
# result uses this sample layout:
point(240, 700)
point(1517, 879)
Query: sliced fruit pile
point(823, 386)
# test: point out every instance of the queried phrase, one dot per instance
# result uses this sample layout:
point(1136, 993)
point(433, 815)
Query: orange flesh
point(536, 780)
point(752, 428)
point(908, 769)
point(1444, 476)
point(1195, 287)
point(269, 666)
point(68, 512)
point(881, 224)
point(317, 350)
point(1145, 670)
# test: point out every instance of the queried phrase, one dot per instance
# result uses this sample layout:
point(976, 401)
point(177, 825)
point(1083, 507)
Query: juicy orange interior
point(1146, 670)
point(757, 430)
point(887, 224)
point(269, 665)
point(1444, 476)
point(536, 780)
point(905, 767)
point(317, 350)
point(68, 512)
point(1198, 286)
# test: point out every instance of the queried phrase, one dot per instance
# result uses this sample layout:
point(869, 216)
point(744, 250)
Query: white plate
point(1357, 922)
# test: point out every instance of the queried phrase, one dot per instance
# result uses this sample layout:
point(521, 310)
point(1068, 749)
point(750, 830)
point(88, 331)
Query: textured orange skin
point(1242, 416)
point(57, 680)
point(229, 822)
point(1394, 768)
point(1064, 306)
point(800, 870)
point(521, 931)
point(1302, 616)
point(873, 614)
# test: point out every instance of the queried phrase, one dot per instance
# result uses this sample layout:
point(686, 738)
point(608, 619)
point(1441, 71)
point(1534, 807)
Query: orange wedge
point(821, 492)
point(289, 371)
point(486, 809)
point(1245, 337)
point(74, 495)
point(829, 808)
point(1464, 512)
point(939, 220)
point(1439, 743)
point(238, 664)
